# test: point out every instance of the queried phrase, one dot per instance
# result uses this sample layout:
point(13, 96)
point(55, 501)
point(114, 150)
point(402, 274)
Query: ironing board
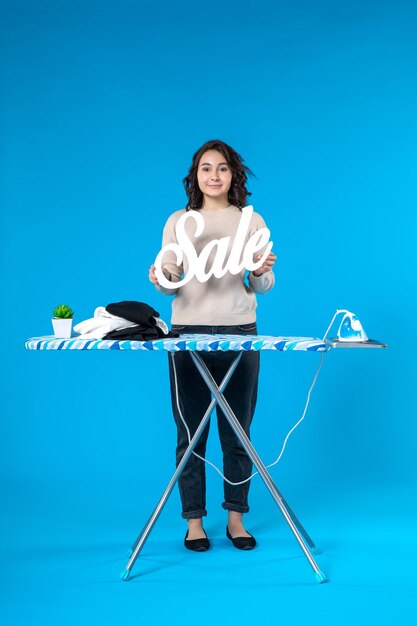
point(195, 343)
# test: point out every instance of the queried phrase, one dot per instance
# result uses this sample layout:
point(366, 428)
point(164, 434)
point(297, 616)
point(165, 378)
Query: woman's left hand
point(266, 266)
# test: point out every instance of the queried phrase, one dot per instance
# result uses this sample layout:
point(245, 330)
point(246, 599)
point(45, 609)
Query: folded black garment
point(139, 333)
point(138, 312)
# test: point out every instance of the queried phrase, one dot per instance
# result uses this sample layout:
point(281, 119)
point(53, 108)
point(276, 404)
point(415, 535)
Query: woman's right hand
point(152, 275)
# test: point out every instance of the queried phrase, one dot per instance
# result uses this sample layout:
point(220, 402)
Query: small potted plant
point(62, 321)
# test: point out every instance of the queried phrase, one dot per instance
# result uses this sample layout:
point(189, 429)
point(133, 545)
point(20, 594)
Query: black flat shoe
point(198, 545)
point(242, 543)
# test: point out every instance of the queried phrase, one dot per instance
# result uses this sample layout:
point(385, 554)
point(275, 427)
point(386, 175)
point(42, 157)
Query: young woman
point(215, 186)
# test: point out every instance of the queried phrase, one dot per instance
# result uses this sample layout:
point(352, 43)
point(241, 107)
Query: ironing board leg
point(314, 549)
point(143, 535)
point(253, 455)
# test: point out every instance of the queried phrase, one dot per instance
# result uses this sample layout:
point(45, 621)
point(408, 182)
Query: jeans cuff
point(194, 514)
point(239, 508)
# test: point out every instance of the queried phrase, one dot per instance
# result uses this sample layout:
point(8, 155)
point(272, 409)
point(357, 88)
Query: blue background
point(103, 105)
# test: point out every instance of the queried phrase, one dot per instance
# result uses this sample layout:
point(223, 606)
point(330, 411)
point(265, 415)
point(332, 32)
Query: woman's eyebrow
point(210, 164)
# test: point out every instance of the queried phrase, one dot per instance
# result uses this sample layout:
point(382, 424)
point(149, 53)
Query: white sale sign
point(197, 264)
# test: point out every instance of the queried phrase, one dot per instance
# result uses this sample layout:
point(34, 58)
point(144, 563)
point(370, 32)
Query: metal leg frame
point(145, 532)
point(299, 532)
point(253, 455)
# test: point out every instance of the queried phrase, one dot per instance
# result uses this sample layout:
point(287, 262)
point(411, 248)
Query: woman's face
point(214, 175)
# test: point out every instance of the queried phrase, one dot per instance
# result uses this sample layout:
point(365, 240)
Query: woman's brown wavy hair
point(237, 193)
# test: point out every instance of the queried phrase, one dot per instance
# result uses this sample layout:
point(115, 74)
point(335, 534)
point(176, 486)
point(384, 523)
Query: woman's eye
point(207, 169)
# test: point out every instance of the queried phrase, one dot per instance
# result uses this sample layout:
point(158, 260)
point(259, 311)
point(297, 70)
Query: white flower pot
point(62, 327)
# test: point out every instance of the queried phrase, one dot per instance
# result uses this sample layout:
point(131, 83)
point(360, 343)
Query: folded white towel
point(102, 323)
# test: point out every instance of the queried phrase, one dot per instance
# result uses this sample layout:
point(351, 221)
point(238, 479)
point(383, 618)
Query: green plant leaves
point(63, 311)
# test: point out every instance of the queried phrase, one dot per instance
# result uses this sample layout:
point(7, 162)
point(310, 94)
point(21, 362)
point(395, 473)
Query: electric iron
point(350, 328)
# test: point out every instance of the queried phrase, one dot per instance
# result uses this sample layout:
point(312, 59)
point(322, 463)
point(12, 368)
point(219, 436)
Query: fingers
point(268, 263)
point(152, 276)
point(271, 257)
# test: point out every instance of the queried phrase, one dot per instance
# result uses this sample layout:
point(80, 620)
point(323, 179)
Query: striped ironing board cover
point(196, 343)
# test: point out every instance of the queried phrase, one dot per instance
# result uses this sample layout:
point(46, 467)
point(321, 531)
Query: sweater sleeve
point(264, 282)
point(169, 259)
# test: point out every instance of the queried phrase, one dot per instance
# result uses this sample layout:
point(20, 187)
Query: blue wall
point(103, 105)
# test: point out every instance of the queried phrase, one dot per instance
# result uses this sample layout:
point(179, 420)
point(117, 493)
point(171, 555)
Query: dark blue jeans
point(194, 398)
